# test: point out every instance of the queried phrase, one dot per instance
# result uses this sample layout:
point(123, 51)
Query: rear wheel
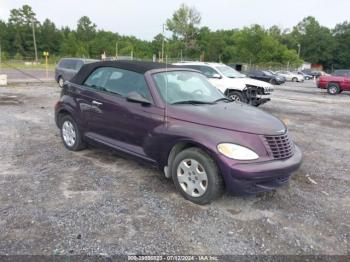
point(333, 89)
point(196, 176)
point(237, 96)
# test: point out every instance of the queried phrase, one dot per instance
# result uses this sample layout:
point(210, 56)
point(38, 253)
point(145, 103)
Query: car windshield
point(229, 72)
point(185, 87)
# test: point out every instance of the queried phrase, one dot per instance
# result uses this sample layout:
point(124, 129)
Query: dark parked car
point(68, 67)
point(267, 77)
point(306, 76)
point(312, 73)
point(175, 119)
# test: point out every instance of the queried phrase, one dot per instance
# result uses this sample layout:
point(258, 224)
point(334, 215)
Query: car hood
point(232, 116)
point(243, 81)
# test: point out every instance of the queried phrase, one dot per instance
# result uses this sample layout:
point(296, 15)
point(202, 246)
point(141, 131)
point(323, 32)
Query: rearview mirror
point(137, 98)
point(217, 76)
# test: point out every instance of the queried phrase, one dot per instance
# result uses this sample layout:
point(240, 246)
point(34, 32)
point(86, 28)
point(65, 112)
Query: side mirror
point(217, 76)
point(135, 97)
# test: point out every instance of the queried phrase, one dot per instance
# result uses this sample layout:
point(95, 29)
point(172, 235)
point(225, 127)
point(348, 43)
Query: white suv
point(233, 84)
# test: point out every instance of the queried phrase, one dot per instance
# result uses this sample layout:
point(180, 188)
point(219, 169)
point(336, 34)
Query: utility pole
point(116, 50)
point(163, 43)
point(299, 47)
point(46, 54)
point(35, 49)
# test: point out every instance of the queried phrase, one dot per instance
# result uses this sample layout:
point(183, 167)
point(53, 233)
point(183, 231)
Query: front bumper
point(259, 101)
point(280, 81)
point(253, 178)
point(257, 95)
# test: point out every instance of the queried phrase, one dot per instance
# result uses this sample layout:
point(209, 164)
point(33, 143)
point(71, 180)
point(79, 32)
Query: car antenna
point(166, 91)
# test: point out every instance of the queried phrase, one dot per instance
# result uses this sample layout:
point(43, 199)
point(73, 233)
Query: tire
point(237, 96)
point(184, 173)
point(273, 81)
point(70, 134)
point(333, 89)
point(60, 81)
point(294, 79)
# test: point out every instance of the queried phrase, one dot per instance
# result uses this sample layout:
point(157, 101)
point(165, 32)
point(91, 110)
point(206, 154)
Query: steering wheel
point(197, 92)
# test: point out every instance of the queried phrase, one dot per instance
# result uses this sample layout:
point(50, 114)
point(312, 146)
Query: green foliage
point(4, 56)
point(184, 24)
point(317, 42)
point(255, 44)
point(86, 30)
point(18, 56)
point(341, 56)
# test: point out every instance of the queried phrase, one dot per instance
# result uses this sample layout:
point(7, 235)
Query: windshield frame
point(156, 93)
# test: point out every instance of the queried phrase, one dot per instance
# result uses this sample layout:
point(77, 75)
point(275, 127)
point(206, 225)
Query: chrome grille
point(281, 146)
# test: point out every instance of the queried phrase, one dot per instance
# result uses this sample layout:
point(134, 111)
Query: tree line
point(307, 41)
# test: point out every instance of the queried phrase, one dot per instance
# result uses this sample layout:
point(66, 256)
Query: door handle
point(96, 103)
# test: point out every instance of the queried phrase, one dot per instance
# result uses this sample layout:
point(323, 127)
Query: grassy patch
point(5, 65)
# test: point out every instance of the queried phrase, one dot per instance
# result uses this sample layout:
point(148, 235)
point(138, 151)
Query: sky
point(144, 19)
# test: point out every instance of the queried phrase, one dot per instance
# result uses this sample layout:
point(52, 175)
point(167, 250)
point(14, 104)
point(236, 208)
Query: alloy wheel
point(68, 133)
point(61, 82)
point(333, 90)
point(235, 98)
point(192, 178)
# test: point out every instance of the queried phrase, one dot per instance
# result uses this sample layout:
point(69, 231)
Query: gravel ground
point(53, 201)
point(27, 74)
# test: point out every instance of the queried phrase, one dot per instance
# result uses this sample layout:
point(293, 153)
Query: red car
point(336, 83)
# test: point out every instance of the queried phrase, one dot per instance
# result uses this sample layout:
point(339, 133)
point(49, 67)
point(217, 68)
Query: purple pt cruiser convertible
point(173, 118)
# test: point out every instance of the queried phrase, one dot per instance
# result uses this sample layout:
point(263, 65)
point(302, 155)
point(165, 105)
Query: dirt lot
point(21, 74)
point(53, 201)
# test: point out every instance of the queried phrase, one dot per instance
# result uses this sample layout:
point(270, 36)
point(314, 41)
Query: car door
point(260, 76)
point(115, 121)
point(253, 74)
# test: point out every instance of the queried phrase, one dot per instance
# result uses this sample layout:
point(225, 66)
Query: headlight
point(237, 152)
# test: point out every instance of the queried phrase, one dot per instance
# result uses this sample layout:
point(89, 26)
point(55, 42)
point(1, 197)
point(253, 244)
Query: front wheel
point(237, 96)
point(60, 81)
point(273, 81)
point(196, 176)
point(294, 79)
point(70, 134)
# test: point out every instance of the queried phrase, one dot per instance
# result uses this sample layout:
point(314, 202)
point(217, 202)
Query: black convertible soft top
point(136, 66)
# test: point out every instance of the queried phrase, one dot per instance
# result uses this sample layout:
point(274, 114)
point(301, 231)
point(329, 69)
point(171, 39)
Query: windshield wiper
point(192, 102)
point(223, 99)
